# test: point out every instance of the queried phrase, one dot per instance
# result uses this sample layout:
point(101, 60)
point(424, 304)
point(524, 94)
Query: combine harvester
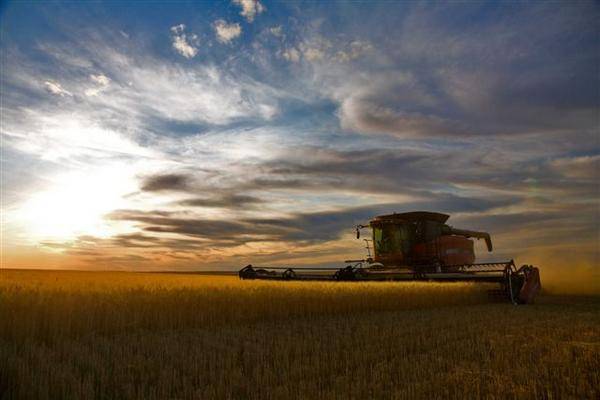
point(419, 246)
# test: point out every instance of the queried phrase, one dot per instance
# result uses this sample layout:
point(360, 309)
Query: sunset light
point(75, 204)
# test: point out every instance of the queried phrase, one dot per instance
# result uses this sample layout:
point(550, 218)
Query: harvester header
point(419, 245)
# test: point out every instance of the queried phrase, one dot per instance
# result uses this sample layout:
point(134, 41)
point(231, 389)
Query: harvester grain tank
point(419, 246)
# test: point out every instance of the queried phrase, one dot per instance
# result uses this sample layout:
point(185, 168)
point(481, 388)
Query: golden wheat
point(156, 336)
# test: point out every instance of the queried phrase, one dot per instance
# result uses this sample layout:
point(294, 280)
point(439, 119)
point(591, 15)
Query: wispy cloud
point(581, 168)
point(56, 88)
point(354, 50)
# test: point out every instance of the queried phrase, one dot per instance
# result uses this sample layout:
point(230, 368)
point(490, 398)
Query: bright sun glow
point(75, 204)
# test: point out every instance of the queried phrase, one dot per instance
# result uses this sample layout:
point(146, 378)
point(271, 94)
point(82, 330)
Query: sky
point(210, 135)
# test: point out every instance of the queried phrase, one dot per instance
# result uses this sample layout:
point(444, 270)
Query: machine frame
point(518, 285)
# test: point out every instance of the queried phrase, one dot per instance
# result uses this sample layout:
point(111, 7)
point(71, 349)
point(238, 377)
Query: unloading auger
point(419, 246)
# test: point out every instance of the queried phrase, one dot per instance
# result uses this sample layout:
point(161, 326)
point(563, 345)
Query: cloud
point(167, 182)
point(327, 50)
point(250, 8)
point(316, 49)
point(183, 182)
point(583, 167)
point(100, 79)
point(456, 103)
point(305, 227)
point(226, 32)
point(276, 31)
point(203, 94)
point(370, 116)
point(218, 230)
point(567, 227)
point(101, 84)
point(313, 53)
point(230, 201)
point(291, 54)
point(56, 88)
point(468, 80)
point(182, 43)
point(134, 120)
point(354, 50)
point(67, 136)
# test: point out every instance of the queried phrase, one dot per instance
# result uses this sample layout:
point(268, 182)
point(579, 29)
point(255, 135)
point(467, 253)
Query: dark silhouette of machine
point(419, 246)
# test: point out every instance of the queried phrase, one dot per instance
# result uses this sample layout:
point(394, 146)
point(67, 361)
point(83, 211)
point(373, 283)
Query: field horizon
point(580, 280)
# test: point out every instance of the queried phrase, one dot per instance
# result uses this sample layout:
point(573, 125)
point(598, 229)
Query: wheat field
point(115, 335)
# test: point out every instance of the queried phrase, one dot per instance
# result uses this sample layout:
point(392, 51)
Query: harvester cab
point(419, 245)
point(422, 240)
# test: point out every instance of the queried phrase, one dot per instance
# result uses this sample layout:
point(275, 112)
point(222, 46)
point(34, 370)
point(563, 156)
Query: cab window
point(391, 239)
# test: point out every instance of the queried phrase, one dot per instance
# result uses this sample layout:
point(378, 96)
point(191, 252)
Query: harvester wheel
point(345, 274)
point(247, 272)
point(289, 274)
point(531, 284)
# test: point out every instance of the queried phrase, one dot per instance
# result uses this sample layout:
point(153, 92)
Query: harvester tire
point(247, 272)
point(531, 285)
point(289, 274)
